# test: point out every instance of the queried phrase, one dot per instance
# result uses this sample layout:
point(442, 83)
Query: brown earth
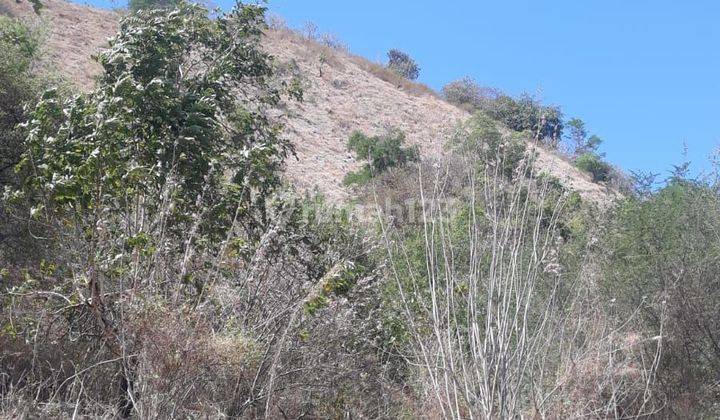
point(343, 93)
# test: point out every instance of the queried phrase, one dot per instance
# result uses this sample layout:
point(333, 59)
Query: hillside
point(156, 261)
point(350, 93)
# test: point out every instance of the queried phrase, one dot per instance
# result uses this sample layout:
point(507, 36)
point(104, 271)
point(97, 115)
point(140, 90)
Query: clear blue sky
point(643, 74)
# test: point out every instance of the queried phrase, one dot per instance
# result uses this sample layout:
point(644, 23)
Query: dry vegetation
point(158, 264)
point(343, 93)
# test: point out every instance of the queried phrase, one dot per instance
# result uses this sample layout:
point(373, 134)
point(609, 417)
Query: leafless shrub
point(496, 329)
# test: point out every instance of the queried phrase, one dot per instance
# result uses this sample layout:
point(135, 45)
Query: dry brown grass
point(343, 93)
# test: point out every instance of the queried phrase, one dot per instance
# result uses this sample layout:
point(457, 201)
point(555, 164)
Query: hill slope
point(343, 93)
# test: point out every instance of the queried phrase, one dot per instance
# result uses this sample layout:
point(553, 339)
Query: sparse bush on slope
point(402, 64)
point(468, 94)
point(593, 164)
point(136, 5)
point(480, 138)
point(381, 152)
point(525, 113)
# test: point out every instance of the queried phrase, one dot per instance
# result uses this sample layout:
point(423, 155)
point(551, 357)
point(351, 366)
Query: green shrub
point(661, 271)
point(402, 64)
point(480, 138)
point(18, 85)
point(19, 88)
point(136, 5)
point(468, 94)
point(527, 114)
point(381, 152)
point(594, 165)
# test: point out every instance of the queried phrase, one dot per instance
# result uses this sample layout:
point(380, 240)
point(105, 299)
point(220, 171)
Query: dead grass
point(343, 93)
point(389, 76)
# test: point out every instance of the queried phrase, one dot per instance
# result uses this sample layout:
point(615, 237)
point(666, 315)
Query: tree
point(171, 152)
point(579, 140)
point(402, 64)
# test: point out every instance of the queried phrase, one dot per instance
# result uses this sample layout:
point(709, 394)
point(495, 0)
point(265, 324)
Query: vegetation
point(402, 64)
point(381, 152)
point(158, 266)
point(19, 88)
point(184, 279)
point(593, 164)
point(579, 141)
point(136, 5)
point(661, 269)
point(543, 123)
point(468, 94)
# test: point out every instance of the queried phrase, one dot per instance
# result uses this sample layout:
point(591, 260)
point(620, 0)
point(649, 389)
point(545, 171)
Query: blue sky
point(644, 75)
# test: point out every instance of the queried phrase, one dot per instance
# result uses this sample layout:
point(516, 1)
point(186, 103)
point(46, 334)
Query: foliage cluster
point(184, 279)
point(522, 114)
point(480, 138)
point(19, 88)
point(401, 63)
point(381, 154)
point(593, 164)
point(137, 5)
point(661, 265)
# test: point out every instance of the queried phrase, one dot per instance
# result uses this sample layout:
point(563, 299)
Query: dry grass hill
point(343, 93)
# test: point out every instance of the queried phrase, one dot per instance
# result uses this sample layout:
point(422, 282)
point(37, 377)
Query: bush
point(662, 267)
point(136, 5)
point(593, 164)
point(468, 94)
point(19, 48)
point(382, 152)
point(521, 114)
point(527, 114)
point(480, 138)
point(19, 87)
point(402, 64)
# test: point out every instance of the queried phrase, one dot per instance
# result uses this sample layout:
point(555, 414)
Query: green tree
point(579, 140)
point(163, 158)
point(151, 122)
